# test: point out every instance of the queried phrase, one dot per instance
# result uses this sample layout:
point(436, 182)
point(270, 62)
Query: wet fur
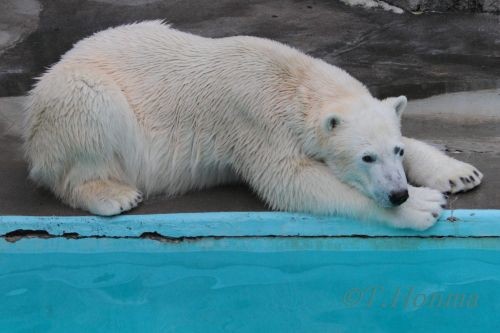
point(144, 109)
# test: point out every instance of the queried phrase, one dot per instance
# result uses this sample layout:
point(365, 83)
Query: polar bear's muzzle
point(387, 184)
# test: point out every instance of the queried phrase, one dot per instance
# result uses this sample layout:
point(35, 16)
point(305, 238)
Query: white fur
point(146, 108)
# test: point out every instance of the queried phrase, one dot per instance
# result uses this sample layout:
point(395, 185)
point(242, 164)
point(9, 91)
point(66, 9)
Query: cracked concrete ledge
point(468, 223)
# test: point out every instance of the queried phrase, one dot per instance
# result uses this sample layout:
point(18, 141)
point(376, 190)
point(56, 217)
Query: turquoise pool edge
point(467, 223)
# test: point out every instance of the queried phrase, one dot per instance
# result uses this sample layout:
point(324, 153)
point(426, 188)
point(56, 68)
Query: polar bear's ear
point(330, 122)
point(398, 103)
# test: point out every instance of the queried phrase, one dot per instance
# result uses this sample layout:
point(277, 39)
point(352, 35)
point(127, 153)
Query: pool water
point(250, 284)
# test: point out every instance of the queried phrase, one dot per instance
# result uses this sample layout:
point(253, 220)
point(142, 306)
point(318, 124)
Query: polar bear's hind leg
point(78, 128)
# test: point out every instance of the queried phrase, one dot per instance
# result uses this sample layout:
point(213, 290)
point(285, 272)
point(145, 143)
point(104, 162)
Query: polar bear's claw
point(464, 177)
point(422, 209)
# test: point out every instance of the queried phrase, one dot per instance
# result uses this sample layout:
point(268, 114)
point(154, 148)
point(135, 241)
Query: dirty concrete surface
point(416, 55)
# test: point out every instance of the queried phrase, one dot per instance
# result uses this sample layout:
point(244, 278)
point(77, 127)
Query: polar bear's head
point(360, 140)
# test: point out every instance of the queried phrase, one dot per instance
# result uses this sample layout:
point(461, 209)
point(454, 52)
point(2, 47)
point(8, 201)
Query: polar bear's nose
point(398, 197)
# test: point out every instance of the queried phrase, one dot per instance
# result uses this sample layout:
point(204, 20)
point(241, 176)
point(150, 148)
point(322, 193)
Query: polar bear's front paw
point(420, 211)
point(454, 176)
point(106, 197)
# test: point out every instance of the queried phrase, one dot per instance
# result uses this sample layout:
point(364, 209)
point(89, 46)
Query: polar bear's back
point(153, 47)
point(154, 64)
point(136, 41)
point(135, 52)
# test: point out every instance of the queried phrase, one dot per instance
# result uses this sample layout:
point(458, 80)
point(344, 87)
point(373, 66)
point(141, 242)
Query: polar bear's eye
point(368, 158)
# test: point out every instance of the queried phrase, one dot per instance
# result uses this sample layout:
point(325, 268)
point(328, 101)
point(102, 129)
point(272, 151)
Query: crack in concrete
point(17, 235)
point(364, 39)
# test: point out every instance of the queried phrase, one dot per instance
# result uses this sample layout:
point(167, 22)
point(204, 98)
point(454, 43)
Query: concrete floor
point(415, 55)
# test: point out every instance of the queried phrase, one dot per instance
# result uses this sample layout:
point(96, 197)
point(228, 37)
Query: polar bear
point(143, 109)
